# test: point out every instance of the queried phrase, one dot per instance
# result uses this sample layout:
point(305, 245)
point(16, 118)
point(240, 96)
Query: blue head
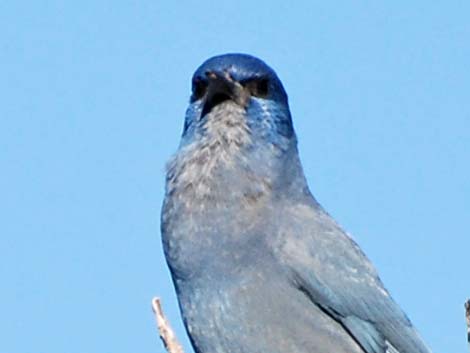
point(244, 83)
point(238, 131)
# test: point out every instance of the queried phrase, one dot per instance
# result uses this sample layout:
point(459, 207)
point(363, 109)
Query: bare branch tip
point(167, 334)
point(157, 305)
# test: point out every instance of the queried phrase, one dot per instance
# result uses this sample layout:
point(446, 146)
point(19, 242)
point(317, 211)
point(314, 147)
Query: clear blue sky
point(93, 95)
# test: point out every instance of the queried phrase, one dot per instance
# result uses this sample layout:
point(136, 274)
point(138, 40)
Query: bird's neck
point(218, 170)
point(222, 160)
point(227, 163)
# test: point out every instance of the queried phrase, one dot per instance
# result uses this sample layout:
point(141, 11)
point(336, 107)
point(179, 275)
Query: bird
point(258, 265)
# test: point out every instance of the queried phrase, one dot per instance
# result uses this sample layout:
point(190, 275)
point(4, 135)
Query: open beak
point(222, 88)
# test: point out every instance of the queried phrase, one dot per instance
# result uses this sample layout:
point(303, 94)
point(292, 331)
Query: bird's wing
point(329, 267)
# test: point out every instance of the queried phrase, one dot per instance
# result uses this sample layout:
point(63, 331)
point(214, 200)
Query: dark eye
point(199, 89)
point(259, 87)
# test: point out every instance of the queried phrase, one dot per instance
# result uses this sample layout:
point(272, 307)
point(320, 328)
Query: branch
point(167, 334)
point(467, 315)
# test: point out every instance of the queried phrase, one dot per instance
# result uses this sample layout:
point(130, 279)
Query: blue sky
point(93, 95)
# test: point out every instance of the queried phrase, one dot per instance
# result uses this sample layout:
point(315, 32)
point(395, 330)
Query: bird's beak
point(223, 87)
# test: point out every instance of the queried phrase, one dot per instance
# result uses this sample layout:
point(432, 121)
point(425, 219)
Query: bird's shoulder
point(324, 262)
point(308, 236)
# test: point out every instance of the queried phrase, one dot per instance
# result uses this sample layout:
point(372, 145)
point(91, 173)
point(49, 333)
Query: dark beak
point(222, 88)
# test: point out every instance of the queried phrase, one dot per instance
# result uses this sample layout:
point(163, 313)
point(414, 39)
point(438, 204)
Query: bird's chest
point(222, 313)
point(211, 240)
point(256, 311)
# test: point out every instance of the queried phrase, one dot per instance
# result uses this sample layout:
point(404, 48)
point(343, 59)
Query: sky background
point(92, 99)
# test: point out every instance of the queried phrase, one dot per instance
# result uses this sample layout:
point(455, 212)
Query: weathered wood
point(167, 334)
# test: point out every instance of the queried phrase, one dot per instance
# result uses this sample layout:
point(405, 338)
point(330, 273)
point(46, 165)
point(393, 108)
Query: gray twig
point(167, 334)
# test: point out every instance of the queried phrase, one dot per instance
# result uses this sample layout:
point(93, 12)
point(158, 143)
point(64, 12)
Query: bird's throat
point(219, 166)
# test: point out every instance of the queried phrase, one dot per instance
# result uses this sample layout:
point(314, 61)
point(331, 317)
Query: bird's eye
point(259, 87)
point(199, 89)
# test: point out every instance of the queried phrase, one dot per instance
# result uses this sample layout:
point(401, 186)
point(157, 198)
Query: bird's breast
point(257, 310)
point(217, 241)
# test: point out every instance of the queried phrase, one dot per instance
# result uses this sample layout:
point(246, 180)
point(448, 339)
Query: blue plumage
point(257, 264)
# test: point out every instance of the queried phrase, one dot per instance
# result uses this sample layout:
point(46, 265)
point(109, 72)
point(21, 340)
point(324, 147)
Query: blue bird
point(257, 264)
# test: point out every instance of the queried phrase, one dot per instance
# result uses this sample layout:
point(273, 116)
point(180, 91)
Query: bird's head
point(238, 132)
point(237, 91)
